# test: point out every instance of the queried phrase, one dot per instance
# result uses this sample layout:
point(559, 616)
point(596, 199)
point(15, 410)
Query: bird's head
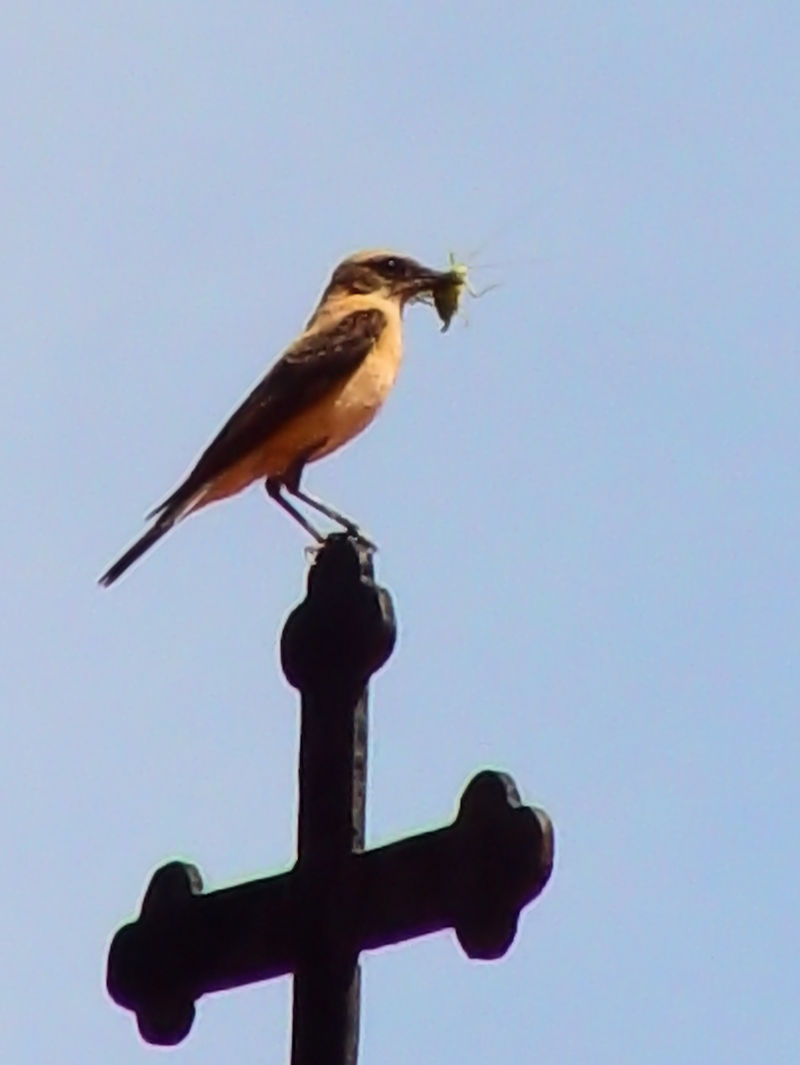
point(389, 275)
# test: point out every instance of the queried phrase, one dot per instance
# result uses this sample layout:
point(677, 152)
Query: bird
point(323, 390)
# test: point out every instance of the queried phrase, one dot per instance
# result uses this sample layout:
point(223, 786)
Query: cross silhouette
point(475, 875)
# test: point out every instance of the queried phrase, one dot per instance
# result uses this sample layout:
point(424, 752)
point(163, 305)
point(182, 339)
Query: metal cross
point(475, 875)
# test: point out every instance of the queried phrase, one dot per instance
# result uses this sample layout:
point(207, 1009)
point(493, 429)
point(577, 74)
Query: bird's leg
point(292, 484)
point(273, 487)
point(347, 523)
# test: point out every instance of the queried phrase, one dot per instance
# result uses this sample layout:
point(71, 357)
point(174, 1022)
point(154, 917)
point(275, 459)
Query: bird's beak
point(427, 283)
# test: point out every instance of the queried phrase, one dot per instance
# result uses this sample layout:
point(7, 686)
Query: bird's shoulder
point(339, 334)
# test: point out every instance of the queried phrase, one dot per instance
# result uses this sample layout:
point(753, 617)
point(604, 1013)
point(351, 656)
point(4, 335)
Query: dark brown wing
point(306, 371)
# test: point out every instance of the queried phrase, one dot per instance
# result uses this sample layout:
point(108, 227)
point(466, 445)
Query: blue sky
point(586, 499)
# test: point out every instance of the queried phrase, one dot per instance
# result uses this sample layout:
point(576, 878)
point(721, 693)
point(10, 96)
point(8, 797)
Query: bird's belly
point(326, 425)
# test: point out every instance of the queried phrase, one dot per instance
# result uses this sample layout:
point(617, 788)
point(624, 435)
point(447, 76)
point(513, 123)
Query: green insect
point(447, 298)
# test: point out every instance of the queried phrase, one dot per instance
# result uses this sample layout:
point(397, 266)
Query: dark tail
point(153, 534)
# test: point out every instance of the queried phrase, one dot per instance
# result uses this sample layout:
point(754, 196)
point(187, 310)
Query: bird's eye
point(392, 265)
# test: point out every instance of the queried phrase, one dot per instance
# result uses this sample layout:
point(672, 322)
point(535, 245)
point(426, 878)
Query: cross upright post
point(332, 643)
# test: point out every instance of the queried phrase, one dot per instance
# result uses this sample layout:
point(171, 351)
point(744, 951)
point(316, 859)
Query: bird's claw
point(352, 531)
point(360, 536)
point(311, 551)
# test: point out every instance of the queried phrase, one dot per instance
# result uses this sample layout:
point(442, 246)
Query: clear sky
point(586, 499)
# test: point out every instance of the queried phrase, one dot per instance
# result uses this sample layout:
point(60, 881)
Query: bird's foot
point(311, 551)
point(358, 534)
point(351, 531)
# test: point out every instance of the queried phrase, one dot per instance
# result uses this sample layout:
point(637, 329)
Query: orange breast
point(326, 425)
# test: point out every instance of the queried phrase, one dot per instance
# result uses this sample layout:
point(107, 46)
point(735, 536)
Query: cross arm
point(475, 876)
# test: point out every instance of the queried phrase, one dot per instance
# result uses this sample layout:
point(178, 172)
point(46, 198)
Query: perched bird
point(324, 389)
